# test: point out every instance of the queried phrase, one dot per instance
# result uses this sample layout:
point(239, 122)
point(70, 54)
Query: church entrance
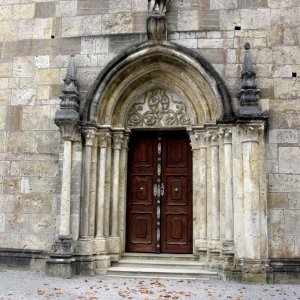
point(159, 193)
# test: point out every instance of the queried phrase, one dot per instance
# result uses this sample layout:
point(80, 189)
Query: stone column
point(114, 245)
point(123, 187)
point(89, 134)
point(215, 201)
point(198, 143)
point(252, 231)
point(228, 185)
point(100, 242)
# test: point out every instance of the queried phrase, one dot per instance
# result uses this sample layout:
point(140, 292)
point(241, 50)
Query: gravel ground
point(34, 285)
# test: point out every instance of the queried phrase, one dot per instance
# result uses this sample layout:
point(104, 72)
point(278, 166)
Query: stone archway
point(159, 85)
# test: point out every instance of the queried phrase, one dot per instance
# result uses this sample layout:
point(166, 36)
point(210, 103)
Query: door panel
point(171, 167)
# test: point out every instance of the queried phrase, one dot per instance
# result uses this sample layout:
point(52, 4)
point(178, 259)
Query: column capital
point(70, 129)
point(213, 136)
point(125, 141)
point(198, 139)
point(250, 132)
point(226, 133)
point(118, 138)
point(90, 135)
point(104, 137)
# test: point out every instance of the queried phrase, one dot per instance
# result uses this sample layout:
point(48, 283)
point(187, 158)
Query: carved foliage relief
point(158, 108)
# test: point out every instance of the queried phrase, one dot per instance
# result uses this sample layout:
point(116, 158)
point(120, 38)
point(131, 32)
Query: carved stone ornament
point(198, 139)
point(103, 138)
point(250, 132)
point(158, 108)
point(158, 7)
point(213, 136)
point(226, 133)
point(89, 134)
point(118, 140)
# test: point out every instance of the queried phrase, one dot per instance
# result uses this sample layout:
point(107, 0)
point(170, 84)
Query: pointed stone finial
point(67, 117)
point(249, 94)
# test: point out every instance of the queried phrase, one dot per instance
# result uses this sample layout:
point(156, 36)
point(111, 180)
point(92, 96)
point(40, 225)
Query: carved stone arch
point(150, 64)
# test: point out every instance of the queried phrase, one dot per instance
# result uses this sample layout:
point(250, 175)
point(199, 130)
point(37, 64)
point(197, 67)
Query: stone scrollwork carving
point(250, 132)
point(158, 108)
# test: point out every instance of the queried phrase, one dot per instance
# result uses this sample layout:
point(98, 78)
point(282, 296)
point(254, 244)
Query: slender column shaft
point(215, 203)
point(101, 185)
point(229, 232)
point(89, 135)
point(65, 204)
point(203, 194)
point(116, 177)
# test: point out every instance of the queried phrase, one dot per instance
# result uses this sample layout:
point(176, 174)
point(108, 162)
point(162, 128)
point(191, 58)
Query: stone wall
point(36, 39)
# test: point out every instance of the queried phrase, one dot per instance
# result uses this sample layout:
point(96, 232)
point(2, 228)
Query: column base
point(61, 262)
point(214, 247)
point(85, 246)
point(228, 247)
point(251, 271)
point(102, 264)
point(114, 245)
point(100, 245)
point(85, 265)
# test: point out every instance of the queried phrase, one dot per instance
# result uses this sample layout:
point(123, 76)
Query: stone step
point(158, 263)
point(161, 256)
point(140, 272)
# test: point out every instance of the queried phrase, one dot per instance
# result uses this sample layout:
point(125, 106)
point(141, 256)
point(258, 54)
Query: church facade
point(150, 127)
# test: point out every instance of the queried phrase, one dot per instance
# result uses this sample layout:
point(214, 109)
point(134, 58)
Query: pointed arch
point(178, 70)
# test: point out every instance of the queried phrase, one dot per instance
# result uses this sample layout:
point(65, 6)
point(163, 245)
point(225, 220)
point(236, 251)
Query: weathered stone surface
point(14, 118)
point(11, 185)
point(20, 142)
point(9, 30)
point(283, 183)
point(288, 88)
point(188, 20)
point(287, 159)
point(23, 97)
point(286, 136)
point(278, 200)
point(6, 12)
point(43, 224)
point(4, 168)
point(48, 142)
point(209, 20)
point(66, 8)
point(45, 9)
point(36, 118)
point(47, 76)
point(219, 4)
point(249, 18)
point(117, 23)
point(294, 200)
point(23, 11)
point(81, 26)
point(276, 221)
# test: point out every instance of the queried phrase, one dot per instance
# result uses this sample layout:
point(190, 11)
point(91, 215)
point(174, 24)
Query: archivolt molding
point(165, 65)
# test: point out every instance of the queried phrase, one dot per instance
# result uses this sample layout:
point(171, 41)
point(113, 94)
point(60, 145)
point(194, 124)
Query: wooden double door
point(159, 193)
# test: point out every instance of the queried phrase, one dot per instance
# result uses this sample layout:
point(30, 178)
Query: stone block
point(42, 28)
point(2, 141)
point(210, 43)
point(4, 168)
point(120, 6)
point(90, 7)
point(63, 46)
point(188, 20)
point(255, 18)
point(6, 12)
point(292, 221)
point(37, 242)
point(2, 222)
point(5, 68)
point(117, 23)
point(29, 168)
point(66, 8)
point(280, 4)
point(3, 83)
point(48, 142)
point(49, 168)
point(42, 61)
point(287, 88)
point(23, 97)
point(11, 185)
point(20, 142)
point(17, 222)
point(188, 43)
point(3, 114)
point(276, 221)
point(286, 55)
point(288, 156)
point(229, 19)
point(9, 30)
point(81, 26)
point(294, 200)
point(139, 24)
point(43, 224)
point(10, 241)
point(214, 56)
point(278, 200)
point(23, 11)
point(284, 183)
point(89, 60)
point(220, 4)
point(45, 9)
point(283, 136)
point(23, 67)
point(139, 6)
point(63, 268)
point(87, 75)
point(47, 76)
point(43, 92)
point(252, 3)
point(14, 118)
point(209, 20)
point(36, 118)
point(14, 168)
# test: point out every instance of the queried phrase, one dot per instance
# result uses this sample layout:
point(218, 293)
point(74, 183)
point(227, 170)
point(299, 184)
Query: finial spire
point(249, 94)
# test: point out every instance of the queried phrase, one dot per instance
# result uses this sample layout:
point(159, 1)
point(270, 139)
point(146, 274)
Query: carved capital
point(198, 139)
point(70, 129)
point(117, 140)
point(104, 137)
point(226, 133)
point(125, 141)
point(213, 137)
point(250, 132)
point(89, 135)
